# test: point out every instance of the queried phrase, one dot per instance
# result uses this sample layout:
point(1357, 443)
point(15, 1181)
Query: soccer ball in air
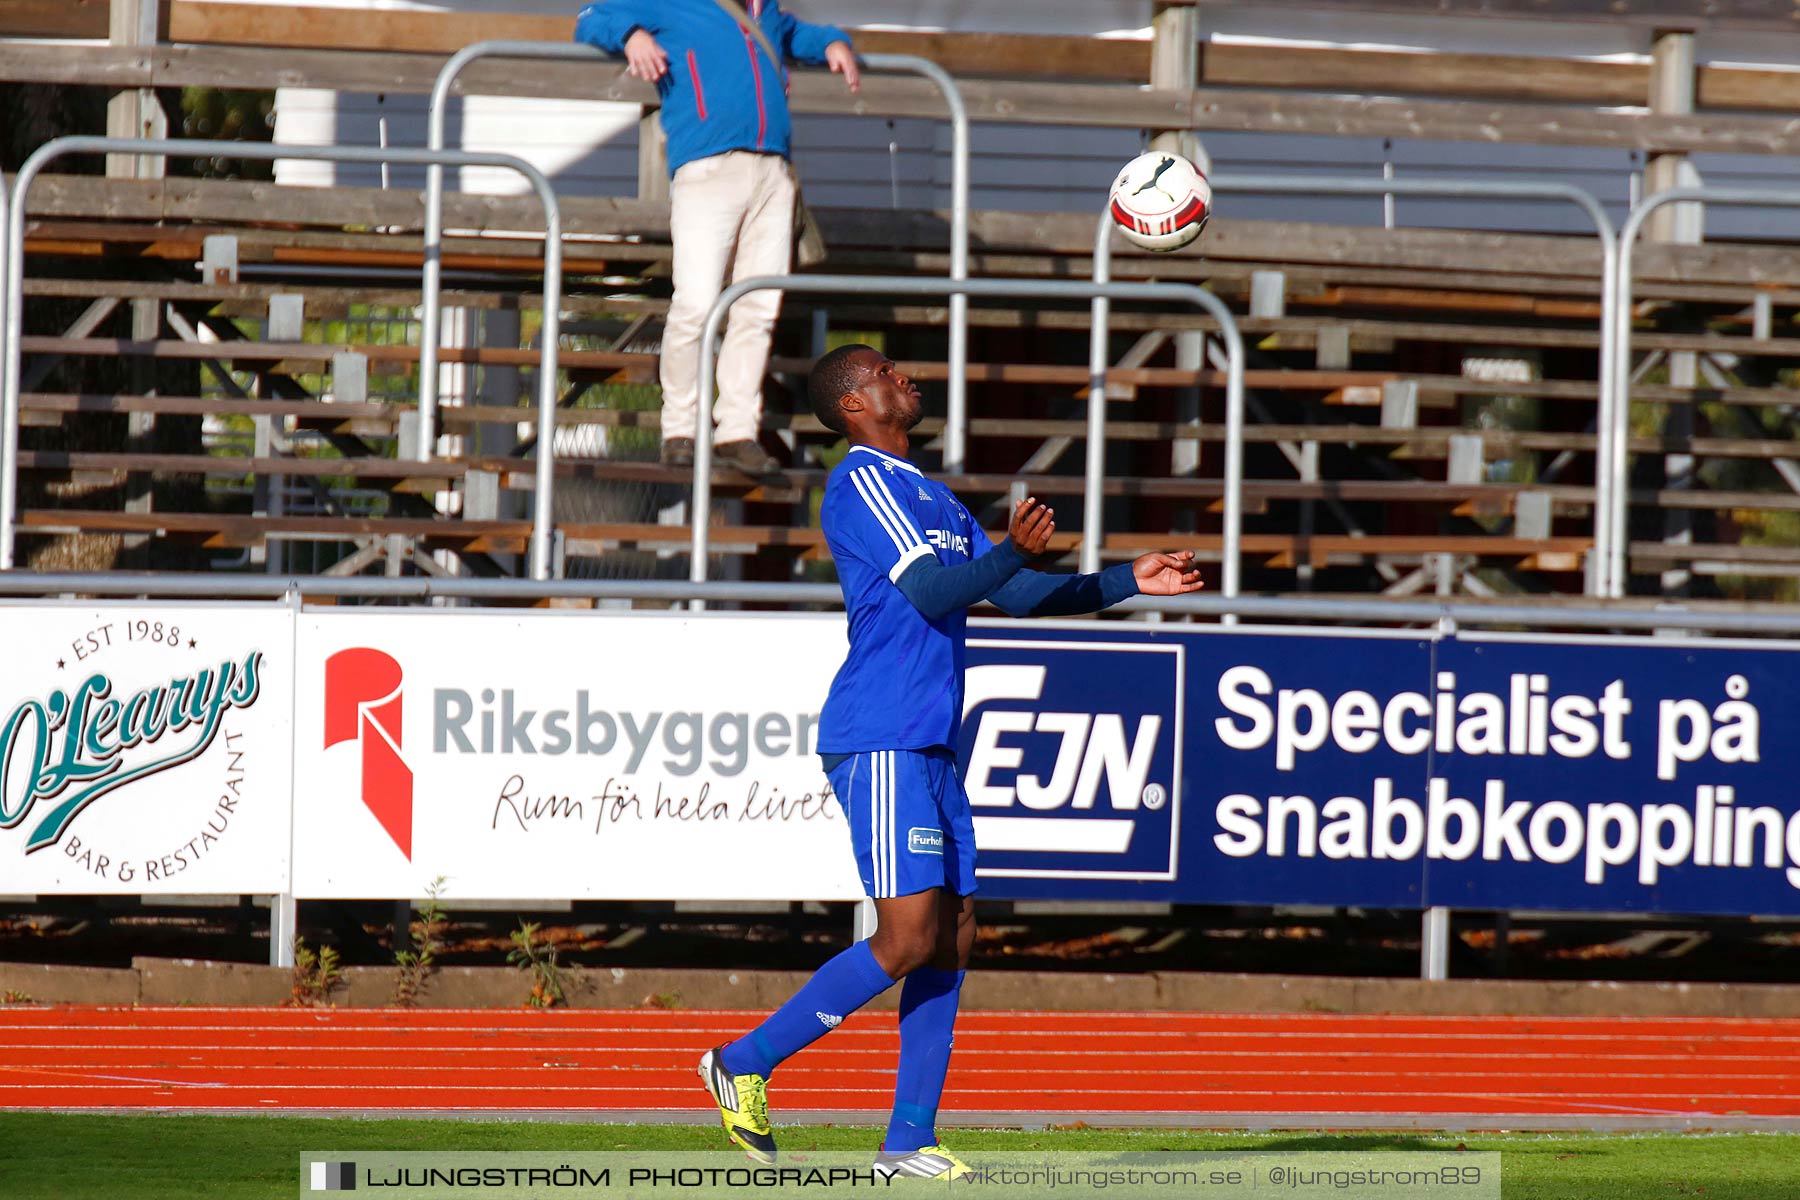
point(1160, 201)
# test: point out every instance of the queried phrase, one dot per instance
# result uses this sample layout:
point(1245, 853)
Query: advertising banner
point(1634, 775)
point(145, 749)
point(645, 756)
point(1385, 769)
point(229, 749)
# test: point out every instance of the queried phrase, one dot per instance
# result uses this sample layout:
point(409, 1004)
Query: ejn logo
point(1093, 751)
point(332, 1177)
point(363, 704)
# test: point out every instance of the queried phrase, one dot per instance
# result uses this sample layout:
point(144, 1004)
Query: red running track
point(1164, 1068)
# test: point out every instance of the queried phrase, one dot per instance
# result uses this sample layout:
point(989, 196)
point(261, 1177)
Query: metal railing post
point(1434, 944)
point(1618, 562)
point(13, 260)
point(956, 404)
point(1606, 497)
point(1093, 500)
point(900, 285)
point(436, 113)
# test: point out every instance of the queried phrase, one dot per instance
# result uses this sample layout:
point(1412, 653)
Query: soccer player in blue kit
point(911, 560)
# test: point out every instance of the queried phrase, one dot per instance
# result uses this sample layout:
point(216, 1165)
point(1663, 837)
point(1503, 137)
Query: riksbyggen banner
point(583, 755)
point(144, 749)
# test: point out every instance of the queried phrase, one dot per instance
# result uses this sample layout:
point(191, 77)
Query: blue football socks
point(927, 1022)
point(837, 989)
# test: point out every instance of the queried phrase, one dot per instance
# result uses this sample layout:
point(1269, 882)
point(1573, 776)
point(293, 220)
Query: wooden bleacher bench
point(1281, 550)
point(1392, 295)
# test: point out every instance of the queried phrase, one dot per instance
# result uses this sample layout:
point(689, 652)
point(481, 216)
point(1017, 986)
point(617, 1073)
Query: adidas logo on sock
point(829, 1020)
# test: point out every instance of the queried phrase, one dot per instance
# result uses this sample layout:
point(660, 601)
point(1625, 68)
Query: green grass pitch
point(52, 1156)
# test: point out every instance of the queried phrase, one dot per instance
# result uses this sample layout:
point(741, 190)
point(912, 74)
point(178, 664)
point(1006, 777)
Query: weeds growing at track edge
point(418, 963)
point(316, 976)
point(537, 959)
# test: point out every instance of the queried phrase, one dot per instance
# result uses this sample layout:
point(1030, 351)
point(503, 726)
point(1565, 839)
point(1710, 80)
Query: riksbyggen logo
point(363, 705)
point(61, 753)
point(1073, 758)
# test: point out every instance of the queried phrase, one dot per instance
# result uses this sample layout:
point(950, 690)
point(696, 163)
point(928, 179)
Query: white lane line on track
point(531, 1039)
point(89, 1076)
point(677, 1072)
point(885, 1088)
point(886, 1053)
point(887, 1049)
point(878, 1099)
point(1441, 1043)
point(485, 1018)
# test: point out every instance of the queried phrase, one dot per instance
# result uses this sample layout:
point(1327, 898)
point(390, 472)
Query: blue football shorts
point(909, 820)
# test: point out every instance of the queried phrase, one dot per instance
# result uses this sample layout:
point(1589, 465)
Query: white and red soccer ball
point(1160, 201)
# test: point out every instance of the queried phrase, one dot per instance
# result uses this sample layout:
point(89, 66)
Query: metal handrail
point(1604, 489)
point(14, 262)
point(956, 403)
point(431, 302)
point(892, 285)
point(430, 321)
point(1593, 613)
point(1093, 497)
point(1619, 468)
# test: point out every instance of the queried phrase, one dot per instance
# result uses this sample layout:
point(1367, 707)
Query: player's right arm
point(863, 518)
point(937, 591)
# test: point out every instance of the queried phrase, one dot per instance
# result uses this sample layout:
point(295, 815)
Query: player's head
point(856, 389)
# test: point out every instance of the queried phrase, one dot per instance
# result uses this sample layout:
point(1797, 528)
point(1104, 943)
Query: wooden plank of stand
point(1009, 101)
point(55, 19)
point(1714, 14)
point(968, 55)
point(88, 196)
point(213, 464)
point(1419, 441)
point(227, 530)
point(435, 32)
point(1657, 553)
point(194, 406)
point(302, 249)
point(1228, 239)
point(250, 300)
point(1287, 332)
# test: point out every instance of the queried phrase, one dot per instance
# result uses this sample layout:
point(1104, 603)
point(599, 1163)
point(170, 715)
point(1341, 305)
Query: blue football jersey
point(901, 685)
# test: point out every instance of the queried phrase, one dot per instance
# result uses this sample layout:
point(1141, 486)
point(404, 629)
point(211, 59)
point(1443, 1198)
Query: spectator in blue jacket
point(732, 190)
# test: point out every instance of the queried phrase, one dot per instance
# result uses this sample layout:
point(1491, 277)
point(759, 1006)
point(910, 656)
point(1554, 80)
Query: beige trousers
point(730, 215)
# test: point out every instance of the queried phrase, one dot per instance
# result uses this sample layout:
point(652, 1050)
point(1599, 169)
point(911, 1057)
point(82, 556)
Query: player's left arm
point(1036, 594)
point(820, 45)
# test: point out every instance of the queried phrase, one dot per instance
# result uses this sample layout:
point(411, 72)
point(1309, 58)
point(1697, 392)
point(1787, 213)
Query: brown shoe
point(678, 452)
point(747, 456)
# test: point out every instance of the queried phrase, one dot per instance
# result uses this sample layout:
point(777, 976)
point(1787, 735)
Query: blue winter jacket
point(721, 92)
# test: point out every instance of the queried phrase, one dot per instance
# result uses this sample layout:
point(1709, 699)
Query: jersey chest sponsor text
point(944, 539)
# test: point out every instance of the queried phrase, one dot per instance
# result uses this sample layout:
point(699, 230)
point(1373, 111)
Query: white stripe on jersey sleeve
point(879, 490)
point(896, 534)
point(908, 559)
